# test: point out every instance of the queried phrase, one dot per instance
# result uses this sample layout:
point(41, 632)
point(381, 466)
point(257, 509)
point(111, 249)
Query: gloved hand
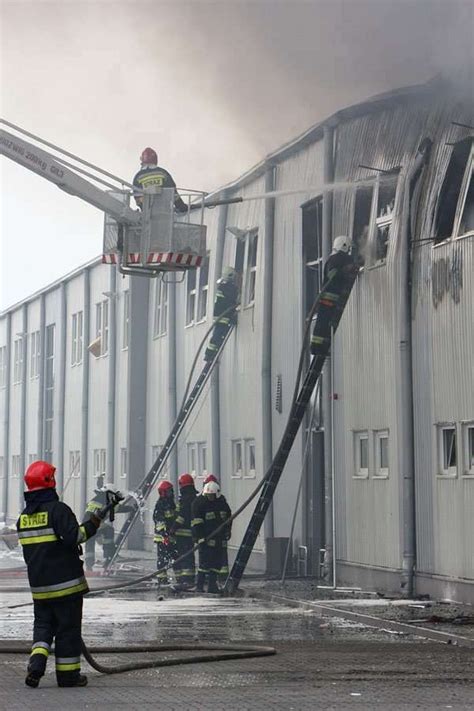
point(166, 540)
point(113, 498)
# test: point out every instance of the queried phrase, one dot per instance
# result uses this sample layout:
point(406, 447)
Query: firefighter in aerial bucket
point(152, 175)
point(225, 310)
point(338, 279)
point(51, 536)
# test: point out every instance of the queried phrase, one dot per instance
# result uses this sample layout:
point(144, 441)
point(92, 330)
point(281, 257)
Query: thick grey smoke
point(214, 86)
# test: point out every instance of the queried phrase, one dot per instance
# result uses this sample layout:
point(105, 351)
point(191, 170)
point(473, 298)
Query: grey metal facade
point(403, 374)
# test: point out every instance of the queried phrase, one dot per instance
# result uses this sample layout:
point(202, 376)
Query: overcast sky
point(212, 86)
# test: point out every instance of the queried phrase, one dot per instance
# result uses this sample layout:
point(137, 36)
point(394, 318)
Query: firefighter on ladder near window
point(338, 273)
point(225, 305)
point(164, 516)
point(50, 537)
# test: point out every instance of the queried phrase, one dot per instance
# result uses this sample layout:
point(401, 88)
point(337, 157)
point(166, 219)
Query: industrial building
point(93, 368)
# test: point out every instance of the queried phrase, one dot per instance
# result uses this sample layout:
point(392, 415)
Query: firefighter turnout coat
point(50, 536)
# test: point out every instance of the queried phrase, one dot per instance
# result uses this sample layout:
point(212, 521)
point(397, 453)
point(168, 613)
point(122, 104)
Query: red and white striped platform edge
point(186, 260)
point(183, 259)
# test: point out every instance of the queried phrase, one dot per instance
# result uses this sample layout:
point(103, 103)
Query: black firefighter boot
point(212, 585)
point(200, 582)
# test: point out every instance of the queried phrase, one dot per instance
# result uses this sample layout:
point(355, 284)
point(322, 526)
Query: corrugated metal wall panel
point(240, 369)
point(304, 168)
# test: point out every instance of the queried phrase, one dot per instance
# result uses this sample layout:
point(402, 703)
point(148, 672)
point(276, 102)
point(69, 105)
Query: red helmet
point(163, 487)
point(210, 477)
point(40, 475)
point(149, 156)
point(185, 480)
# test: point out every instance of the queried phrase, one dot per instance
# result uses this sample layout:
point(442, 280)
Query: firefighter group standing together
point(196, 519)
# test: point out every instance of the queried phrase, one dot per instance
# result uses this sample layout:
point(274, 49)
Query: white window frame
point(124, 462)
point(202, 290)
point(155, 451)
point(192, 458)
point(15, 466)
point(443, 471)
point(100, 463)
point(237, 445)
point(191, 298)
point(359, 471)
point(3, 366)
point(18, 354)
point(379, 471)
point(74, 463)
point(249, 472)
point(202, 460)
point(468, 176)
point(102, 326)
point(199, 294)
point(468, 455)
point(126, 320)
point(34, 354)
point(250, 270)
point(160, 312)
point(77, 335)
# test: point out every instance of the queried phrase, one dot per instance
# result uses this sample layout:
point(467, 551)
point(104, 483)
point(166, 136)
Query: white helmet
point(341, 244)
point(212, 487)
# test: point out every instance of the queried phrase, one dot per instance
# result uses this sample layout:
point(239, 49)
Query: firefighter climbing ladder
point(273, 474)
point(145, 488)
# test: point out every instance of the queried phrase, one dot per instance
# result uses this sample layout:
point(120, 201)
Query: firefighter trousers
point(60, 620)
point(184, 569)
point(164, 557)
point(218, 334)
point(106, 535)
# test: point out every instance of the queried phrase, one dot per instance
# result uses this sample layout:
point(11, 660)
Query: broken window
point(361, 223)
point(466, 223)
point(312, 250)
point(451, 191)
point(386, 193)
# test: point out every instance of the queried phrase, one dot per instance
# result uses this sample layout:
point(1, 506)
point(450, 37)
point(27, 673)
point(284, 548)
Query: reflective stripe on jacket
point(50, 535)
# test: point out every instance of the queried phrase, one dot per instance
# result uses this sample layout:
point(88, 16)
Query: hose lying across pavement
point(216, 653)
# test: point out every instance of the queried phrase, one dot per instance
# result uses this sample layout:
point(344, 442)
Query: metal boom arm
point(44, 164)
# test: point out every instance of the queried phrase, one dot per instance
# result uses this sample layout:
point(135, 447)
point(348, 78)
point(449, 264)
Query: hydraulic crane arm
point(43, 163)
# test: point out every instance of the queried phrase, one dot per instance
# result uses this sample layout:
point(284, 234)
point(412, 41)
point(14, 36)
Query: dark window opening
point(239, 256)
point(360, 229)
point(449, 195)
point(467, 219)
point(385, 205)
point(313, 250)
point(449, 448)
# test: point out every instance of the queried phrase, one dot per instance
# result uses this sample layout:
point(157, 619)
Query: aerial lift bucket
point(161, 241)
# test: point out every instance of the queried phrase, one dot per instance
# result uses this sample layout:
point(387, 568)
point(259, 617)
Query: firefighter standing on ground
point(184, 569)
point(224, 569)
point(151, 175)
point(50, 537)
point(227, 300)
point(338, 279)
point(98, 501)
point(209, 511)
point(164, 516)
